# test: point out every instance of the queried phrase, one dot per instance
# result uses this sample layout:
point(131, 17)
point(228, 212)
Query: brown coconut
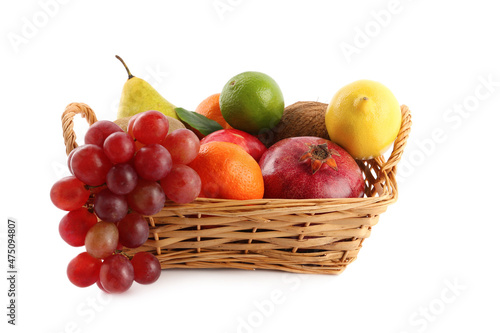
point(299, 119)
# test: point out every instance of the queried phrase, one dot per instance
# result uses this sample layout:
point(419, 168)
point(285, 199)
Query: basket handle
point(67, 122)
point(400, 142)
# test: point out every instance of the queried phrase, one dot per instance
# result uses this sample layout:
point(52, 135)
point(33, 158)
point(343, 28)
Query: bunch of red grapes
point(127, 176)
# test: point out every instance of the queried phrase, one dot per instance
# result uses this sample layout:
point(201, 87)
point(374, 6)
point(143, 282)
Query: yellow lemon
point(364, 118)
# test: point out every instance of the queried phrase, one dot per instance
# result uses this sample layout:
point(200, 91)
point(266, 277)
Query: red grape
point(99, 131)
point(150, 127)
point(133, 230)
point(119, 147)
point(70, 156)
point(130, 125)
point(147, 268)
point(117, 274)
point(182, 184)
point(69, 193)
point(183, 145)
point(90, 164)
point(121, 179)
point(83, 270)
point(147, 198)
point(110, 207)
point(74, 226)
point(152, 162)
point(99, 284)
point(102, 239)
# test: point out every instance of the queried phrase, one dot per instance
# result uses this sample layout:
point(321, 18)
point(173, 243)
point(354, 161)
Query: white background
point(429, 265)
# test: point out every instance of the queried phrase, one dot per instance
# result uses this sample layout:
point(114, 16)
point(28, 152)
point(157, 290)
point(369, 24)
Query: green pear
point(139, 96)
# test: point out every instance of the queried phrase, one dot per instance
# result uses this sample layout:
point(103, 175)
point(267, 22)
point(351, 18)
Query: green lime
point(252, 102)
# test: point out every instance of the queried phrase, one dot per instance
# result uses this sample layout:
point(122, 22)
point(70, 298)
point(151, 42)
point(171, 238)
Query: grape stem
point(123, 254)
point(88, 187)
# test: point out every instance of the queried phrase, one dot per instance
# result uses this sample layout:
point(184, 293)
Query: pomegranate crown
point(318, 155)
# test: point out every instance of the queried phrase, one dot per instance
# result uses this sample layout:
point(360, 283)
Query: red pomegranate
point(309, 167)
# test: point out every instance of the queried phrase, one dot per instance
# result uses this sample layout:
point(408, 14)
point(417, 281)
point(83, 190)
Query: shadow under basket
point(318, 236)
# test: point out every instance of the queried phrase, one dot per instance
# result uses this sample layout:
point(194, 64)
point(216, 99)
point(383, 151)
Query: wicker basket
point(320, 236)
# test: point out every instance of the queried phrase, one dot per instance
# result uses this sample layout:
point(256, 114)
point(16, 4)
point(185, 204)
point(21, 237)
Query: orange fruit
point(210, 108)
point(228, 172)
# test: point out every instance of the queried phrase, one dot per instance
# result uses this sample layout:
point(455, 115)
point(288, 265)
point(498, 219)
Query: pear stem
point(123, 62)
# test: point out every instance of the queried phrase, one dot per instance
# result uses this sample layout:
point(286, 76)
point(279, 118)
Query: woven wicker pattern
point(67, 122)
point(320, 236)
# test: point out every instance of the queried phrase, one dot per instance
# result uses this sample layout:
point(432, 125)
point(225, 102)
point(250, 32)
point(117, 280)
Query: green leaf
point(198, 121)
